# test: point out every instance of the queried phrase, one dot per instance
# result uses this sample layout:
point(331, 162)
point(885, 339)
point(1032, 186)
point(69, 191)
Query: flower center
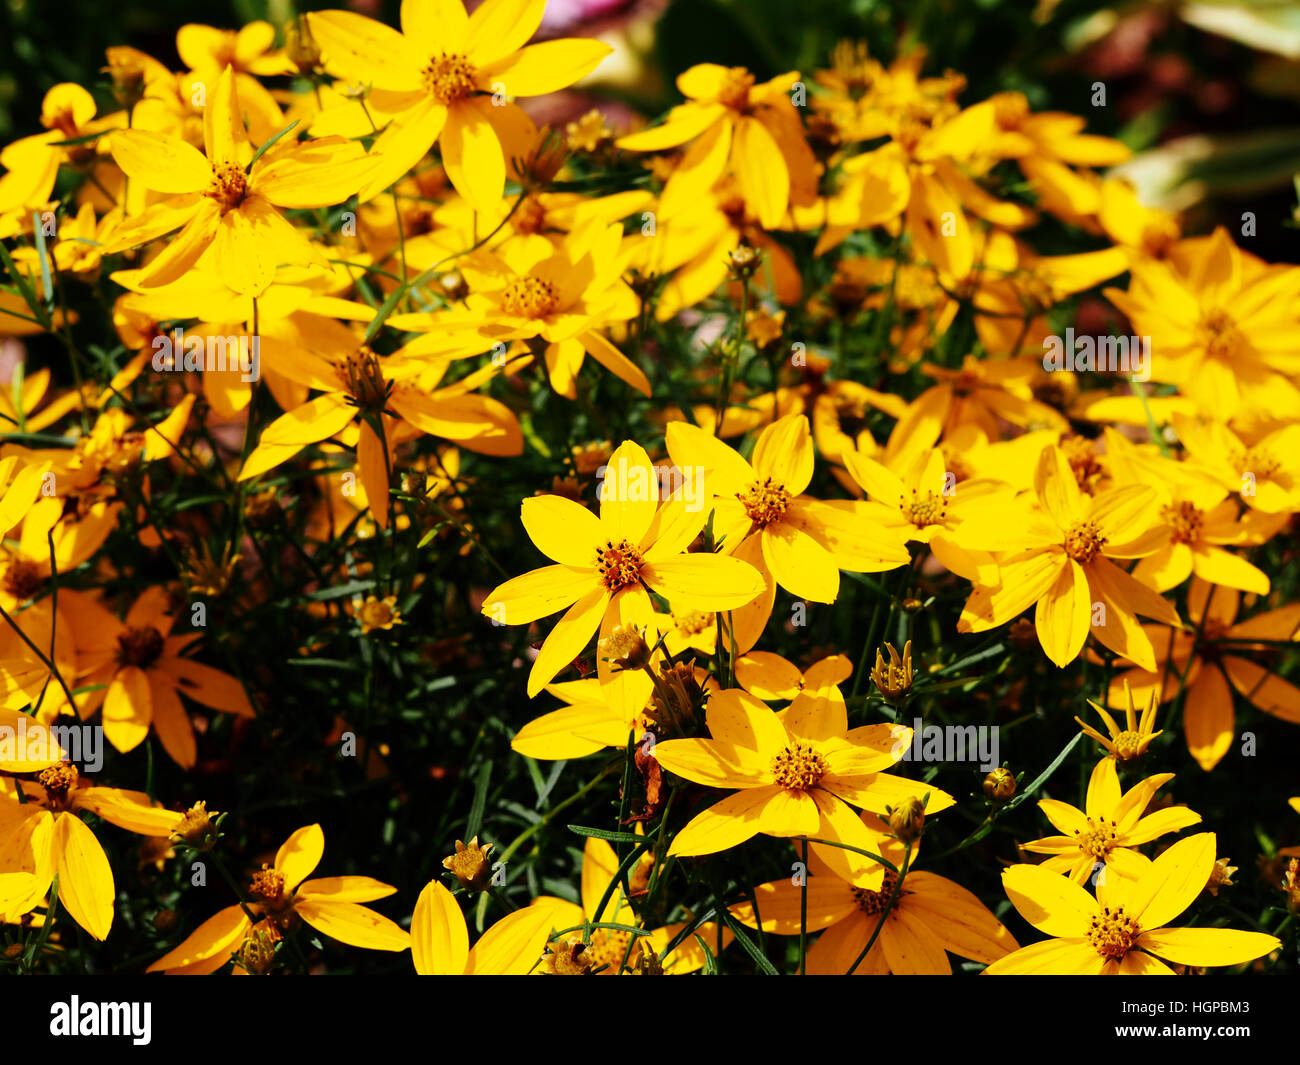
point(377, 613)
point(619, 564)
point(608, 948)
point(1083, 461)
point(1218, 332)
point(22, 579)
point(873, 903)
point(1096, 842)
point(1159, 236)
point(1257, 461)
point(1112, 932)
point(923, 509)
point(764, 501)
point(530, 217)
point(529, 297)
point(139, 647)
point(1128, 745)
point(735, 89)
point(799, 767)
point(1184, 520)
point(363, 379)
point(58, 780)
point(267, 887)
point(229, 185)
point(694, 623)
point(1083, 541)
point(449, 77)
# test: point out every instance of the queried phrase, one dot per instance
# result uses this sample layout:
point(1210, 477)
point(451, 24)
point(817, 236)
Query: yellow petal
point(439, 938)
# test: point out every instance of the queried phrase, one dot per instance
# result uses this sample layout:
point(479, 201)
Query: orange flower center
point(58, 780)
point(1128, 745)
point(609, 948)
point(529, 297)
point(22, 579)
point(530, 217)
point(1112, 932)
point(694, 623)
point(450, 77)
point(929, 508)
point(619, 564)
point(1159, 236)
point(1257, 461)
point(1185, 521)
point(229, 186)
point(799, 767)
point(363, 378)
point(1083, 461)
point(1096, 842)
point(378, 613)
point(736, 84)
point(1083, 541)
point(873, 903)
point(764, 501)
point(1219, 334)
point(267, 887)
point(915, 288)
point(139, 647)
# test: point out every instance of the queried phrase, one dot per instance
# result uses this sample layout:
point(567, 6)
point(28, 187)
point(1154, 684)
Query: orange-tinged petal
point(171, 723)
point(214, 938)
point(724, 825)
point(1208, 718)
point(128, 708)
point(715, 763)
point(299, 855)
point(1204, 947)
point(562, 529)
point(164, 164)
point(439, 938)
point(513, 945)
point(85, 879)
point(1053, 904)
point(354, 925)
point(567, 640)
point(546, 67)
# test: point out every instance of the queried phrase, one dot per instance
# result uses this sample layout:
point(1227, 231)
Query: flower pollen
point(799, 767)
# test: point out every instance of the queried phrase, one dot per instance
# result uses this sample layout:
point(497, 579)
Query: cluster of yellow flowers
point(390, 249)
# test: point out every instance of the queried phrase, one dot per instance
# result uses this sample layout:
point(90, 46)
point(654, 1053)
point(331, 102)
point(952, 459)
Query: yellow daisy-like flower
point(447, 77)
point(1060, 558)
point(797, 773)
point(604, 565)
point(381, 614)
point(761, 514)
point(45, 837)
point(1122, 931)
point(931, 918)
point(281, 892)
point(1111, 824)
point(1130, 743)
point(222, 195)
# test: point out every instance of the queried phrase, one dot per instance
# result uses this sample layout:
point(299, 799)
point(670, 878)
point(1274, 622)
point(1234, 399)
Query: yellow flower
point(1131, 743)
point(609, 947)
point(1211, 665)
point(280, 893)
point(1122, 931)
point(375, 613)
point(46, 838)
point(446, 77)
point(799, 773)
point(1059, 557)
point(761, 514)
point(142, 666)
point(511, 947)
point(1221, 316)
point(1111, 824)
point(221, 195)
point(931, 918)
point(603, 566)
